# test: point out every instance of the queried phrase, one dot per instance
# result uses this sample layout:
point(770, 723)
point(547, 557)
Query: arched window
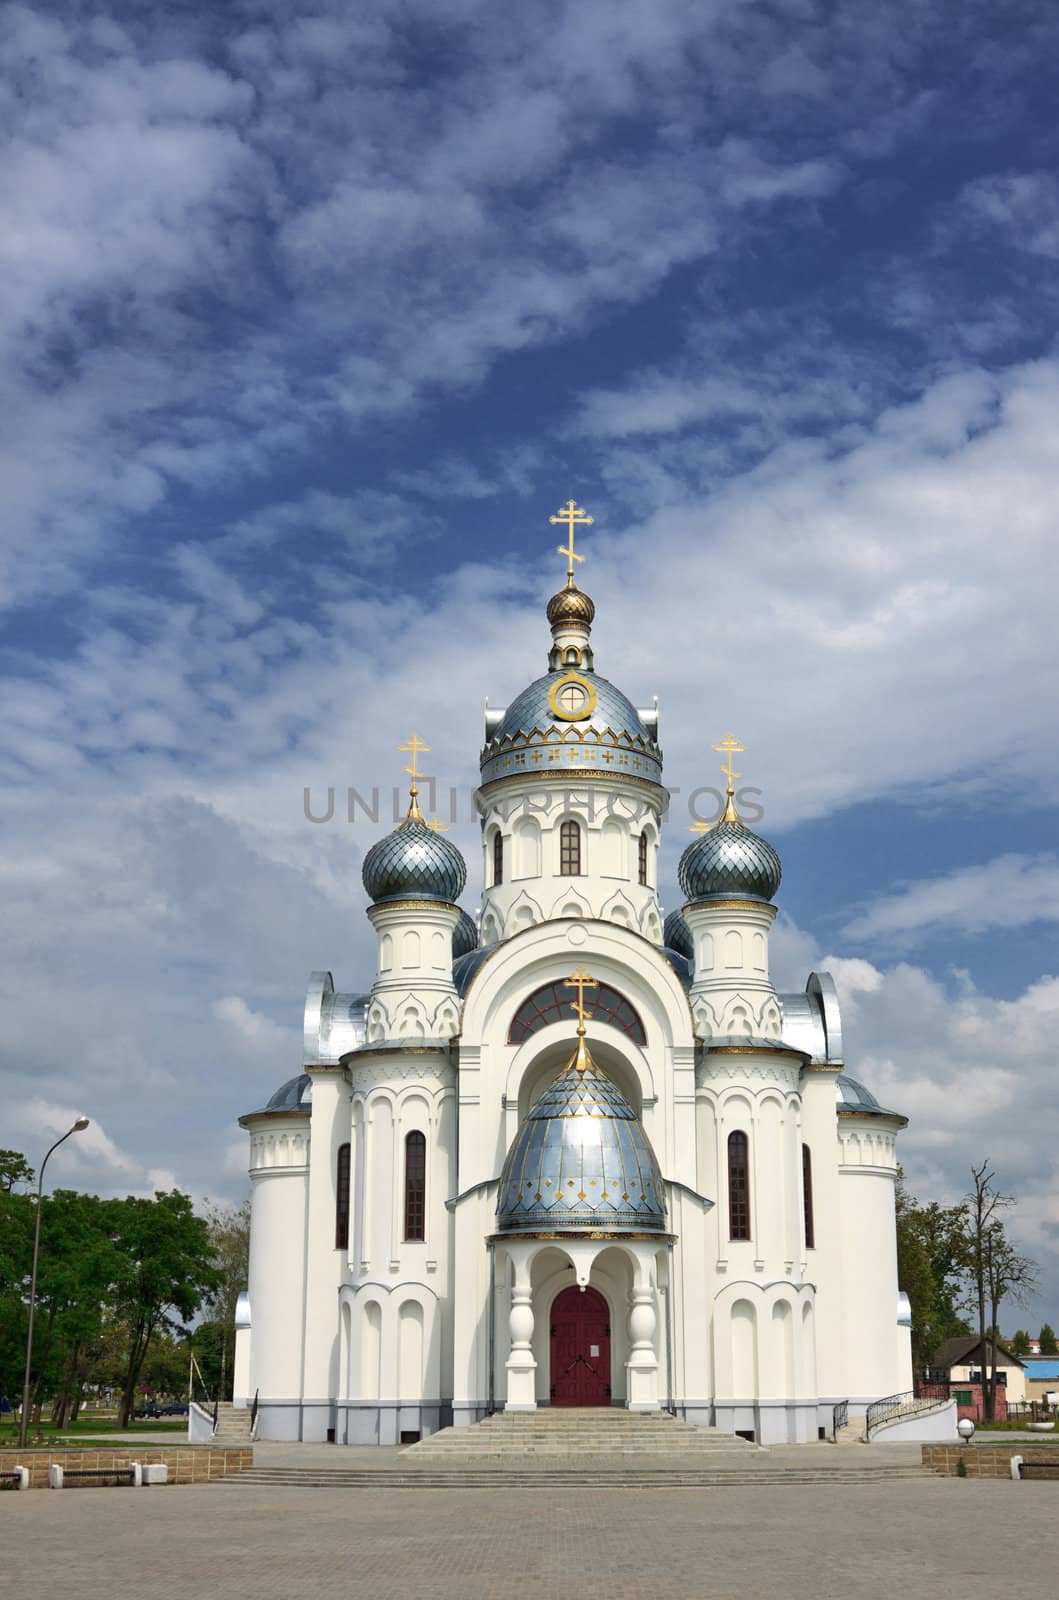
point(551, 1003)
point(415, 1186)
point(807, 1197)
point(498, 858)
point(738, 1186)
point(642, 847)
point(342, 1198)
point(570, 850)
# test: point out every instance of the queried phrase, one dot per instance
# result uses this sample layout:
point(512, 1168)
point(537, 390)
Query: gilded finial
point(416, 746)
point(574, 516)
point(730, 744)
point(580, 980)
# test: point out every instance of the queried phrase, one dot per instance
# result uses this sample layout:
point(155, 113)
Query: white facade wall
point(279, 1212)
point(869, 1286)
point(528, 814)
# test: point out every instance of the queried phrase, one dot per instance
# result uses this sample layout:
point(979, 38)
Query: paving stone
point(933, 1539)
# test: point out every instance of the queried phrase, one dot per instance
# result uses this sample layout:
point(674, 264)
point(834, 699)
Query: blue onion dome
point(414, 862)
point(676, 935)
point(464, 936)
point(728, 861)
point(581, 1162)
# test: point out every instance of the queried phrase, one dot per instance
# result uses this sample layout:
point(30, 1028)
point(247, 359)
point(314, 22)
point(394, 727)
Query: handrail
point(839, 1418)
point(925, 1398)
point(253, 1412)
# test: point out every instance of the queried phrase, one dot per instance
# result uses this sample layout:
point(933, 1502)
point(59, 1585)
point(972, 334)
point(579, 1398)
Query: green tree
point(14, 1170)
point(230, 1253)
point(931, 1260)
point(78, 1263)
point(165, 1274)
point(16, 1254)
point(1048, 1344)
point(997, 1271)
point(1020, 1343)
point(1009, 1275)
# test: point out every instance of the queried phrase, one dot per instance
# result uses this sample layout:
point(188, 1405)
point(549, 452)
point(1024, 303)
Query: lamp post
point(23, 1426)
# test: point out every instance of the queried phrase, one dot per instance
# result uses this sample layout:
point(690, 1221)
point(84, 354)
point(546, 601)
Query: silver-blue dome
point(294, 1095)
point(851, 1096)
point(676, 935)
point(612, 736)
point(581, 1163)
point(729, 861)
point(414, 863)
point(464, 936)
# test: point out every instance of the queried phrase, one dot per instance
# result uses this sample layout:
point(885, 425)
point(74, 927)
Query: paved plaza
point(946, 1539)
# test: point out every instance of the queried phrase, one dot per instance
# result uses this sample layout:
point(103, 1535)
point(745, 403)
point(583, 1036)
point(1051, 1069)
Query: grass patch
point(75, 1433)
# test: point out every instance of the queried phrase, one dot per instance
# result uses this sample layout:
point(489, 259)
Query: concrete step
point(546, 1433)
point(691, 1477)
point(233, 1424)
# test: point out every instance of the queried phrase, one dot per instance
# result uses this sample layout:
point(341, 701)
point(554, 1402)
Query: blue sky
point(310, 316)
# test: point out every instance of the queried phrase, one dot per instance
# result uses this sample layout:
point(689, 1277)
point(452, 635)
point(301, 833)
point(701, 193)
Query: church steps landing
point(595, 1432)
point(596, 1476)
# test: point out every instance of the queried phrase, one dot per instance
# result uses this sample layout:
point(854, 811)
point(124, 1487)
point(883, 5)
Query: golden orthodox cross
point(574, 516)
point(417, 747)
point(437, 825)
point(730, 744)
point(580, 981)
point(700, 827)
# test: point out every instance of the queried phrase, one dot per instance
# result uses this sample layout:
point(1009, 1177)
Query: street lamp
point(23, 1426)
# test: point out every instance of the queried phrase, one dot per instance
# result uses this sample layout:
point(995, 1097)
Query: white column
point(642, 1366)
point(521, 1366)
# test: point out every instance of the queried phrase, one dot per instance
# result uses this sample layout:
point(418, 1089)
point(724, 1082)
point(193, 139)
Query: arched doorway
point(580, 1348)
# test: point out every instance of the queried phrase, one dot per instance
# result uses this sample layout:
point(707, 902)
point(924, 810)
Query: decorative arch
point(551, 1003)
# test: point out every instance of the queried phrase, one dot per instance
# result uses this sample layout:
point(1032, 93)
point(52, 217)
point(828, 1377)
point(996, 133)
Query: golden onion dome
point(571, 605)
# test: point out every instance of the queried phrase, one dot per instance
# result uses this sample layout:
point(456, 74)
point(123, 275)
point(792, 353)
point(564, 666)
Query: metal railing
point(839, 1418)
point(253, 1412)
point(924, 1398)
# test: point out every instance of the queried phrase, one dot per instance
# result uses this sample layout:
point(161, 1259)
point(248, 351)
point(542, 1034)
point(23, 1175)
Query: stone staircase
point(233, 1425)
point(572, 1431)
point(591, 1449)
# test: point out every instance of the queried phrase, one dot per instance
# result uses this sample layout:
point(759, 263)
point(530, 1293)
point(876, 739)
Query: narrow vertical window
point(415, 1186)
point(643, 858)
point(498, 858)
point(570, 850)
point(807, 1197)
point(738, 1186)
point(342, 1198)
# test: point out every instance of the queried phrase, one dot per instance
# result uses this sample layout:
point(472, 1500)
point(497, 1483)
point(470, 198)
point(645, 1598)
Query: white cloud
point(1023, 205)
point(253, 1028)
point(1009, 892)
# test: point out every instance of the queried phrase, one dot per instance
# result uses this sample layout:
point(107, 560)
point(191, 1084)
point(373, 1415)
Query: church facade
point(568, 1152)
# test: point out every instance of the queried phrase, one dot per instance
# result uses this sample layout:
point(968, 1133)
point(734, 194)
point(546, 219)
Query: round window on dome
point(572, 697)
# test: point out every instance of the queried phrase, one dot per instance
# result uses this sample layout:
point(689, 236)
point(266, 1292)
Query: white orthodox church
point(579, 1157)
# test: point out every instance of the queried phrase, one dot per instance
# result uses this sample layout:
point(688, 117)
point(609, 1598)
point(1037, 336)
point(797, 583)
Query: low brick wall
point(986, 1460)
point(186, 1463)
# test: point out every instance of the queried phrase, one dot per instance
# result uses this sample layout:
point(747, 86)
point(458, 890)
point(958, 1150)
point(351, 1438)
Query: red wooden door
point(580, 1326)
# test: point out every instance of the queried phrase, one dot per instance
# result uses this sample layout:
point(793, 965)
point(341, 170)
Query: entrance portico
point(551, 1357)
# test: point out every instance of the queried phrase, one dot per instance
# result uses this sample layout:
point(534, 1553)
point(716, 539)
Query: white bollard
point(137, 1474)
point(23, 1477)
point(55, 1476)
point(1016, 1468)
